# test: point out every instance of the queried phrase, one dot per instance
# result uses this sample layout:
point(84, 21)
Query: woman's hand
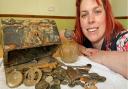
point(87, 51)
point(94, 54)
point(115, 60)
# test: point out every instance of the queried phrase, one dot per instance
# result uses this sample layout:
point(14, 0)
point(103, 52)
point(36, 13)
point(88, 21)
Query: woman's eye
point(98, 11)
point(84, 15)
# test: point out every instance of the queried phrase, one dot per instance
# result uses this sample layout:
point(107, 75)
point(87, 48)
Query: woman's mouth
point(92, 29)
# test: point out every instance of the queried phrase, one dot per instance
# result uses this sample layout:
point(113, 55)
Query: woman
point(101, 37)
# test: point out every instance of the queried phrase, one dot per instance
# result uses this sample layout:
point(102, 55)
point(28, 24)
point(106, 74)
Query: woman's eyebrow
point(97, 7)
point(84, 11)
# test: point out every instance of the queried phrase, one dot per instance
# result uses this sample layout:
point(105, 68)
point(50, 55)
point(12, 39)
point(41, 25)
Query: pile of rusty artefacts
point(28, 47)
point(50, 74)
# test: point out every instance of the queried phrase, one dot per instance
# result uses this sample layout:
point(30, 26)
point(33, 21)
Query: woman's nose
point(91, 19)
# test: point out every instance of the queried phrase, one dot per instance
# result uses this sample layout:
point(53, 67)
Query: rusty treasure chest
point(25, 44)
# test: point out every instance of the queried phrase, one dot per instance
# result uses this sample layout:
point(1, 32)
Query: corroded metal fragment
point(84, 69)
point(72, 73)
point(95, 76)
point(14, 78)
point(32, 76)
point(42, 84)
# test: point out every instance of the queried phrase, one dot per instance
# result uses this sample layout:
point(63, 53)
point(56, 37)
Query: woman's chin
point(93, 40)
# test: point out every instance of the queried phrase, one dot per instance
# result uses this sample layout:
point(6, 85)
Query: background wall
point(120, 9)
point(38, 7)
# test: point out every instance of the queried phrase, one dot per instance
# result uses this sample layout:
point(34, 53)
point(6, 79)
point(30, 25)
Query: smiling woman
point(101, 37)
point(93, 21)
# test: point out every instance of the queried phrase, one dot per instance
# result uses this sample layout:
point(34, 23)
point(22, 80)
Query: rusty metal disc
point(32, 76)
point(14, 78)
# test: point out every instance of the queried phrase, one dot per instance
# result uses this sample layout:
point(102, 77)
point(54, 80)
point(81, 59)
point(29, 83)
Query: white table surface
point(114, 80)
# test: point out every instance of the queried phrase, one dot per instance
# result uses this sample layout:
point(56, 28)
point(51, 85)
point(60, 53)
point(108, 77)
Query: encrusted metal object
point(73, 74)
point(95, 76)
point(84, 69)
point(28, 40)
point(32, 76)
point(14, 78)
point(42, 84)
point(49, 79)
point(69, 51)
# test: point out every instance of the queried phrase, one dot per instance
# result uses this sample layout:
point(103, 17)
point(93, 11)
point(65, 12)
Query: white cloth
point(113, 80)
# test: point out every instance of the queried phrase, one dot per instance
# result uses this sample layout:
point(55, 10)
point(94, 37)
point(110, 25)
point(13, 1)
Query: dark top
point(120, 42)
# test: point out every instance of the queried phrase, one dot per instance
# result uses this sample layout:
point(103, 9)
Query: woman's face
point(93, 20)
